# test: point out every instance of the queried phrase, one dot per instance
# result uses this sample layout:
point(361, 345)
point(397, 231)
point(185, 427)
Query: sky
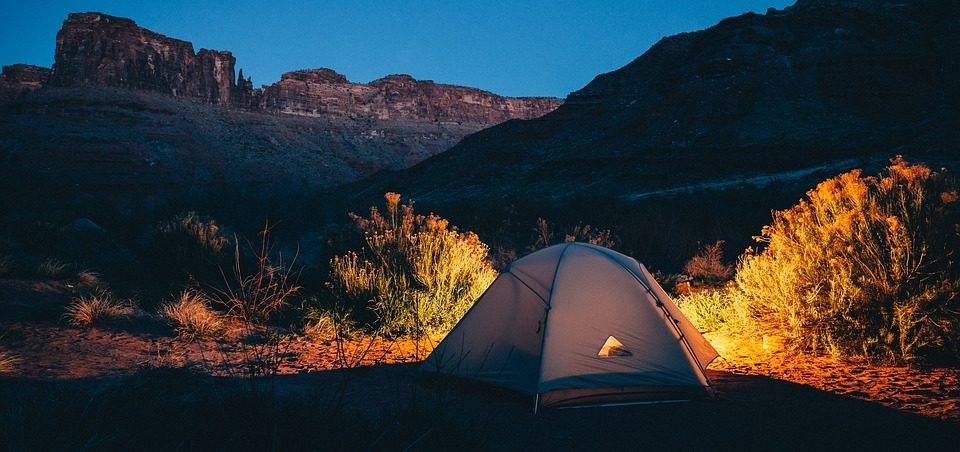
point(512, 48)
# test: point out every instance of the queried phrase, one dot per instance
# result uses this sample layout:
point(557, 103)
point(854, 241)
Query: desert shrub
point(863, 265)
point(52, 268)
point(545, 235)
point(191, 316)
point(194, 245)
point(96, 308)
point(253, 295)
point(415, 274)
point(707, 265)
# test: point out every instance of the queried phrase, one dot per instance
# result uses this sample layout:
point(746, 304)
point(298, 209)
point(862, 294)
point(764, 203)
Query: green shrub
point(708, 311)
point(414, 273)
point(863, 265)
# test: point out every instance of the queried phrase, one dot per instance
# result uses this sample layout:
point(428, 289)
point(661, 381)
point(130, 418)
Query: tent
point(577, 324)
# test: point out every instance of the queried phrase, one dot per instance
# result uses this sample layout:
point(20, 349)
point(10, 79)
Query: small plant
point(88, 279)
point(52, 268)
point(416, 274)
point(96, 308)
point(253, 296)
point(191, 316)
point(708, 264)
point(712, 310)
point(544, 235)
point(194, 245)
point(8, 362)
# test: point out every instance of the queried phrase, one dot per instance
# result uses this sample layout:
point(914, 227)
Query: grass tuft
point(52, 268)
point(191, 316)
point(96, 308)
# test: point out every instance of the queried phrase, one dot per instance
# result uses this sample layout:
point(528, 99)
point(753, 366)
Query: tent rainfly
point(578, 324)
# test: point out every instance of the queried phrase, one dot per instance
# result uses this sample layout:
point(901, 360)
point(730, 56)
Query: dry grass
point(52, 268)
point(253, 296)
point(708, 264)
point(191, 316)
point(96, 308)
point(88, 279)
point(8, 362)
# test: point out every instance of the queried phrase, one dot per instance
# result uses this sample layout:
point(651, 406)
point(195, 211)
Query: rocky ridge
point(101, 50)
point(130, 124)
point(699, 137)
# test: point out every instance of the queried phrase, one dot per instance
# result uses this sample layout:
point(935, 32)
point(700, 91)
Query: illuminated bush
point(708, 264)
point(415, 274)
point(864, 265)
point(191, 316)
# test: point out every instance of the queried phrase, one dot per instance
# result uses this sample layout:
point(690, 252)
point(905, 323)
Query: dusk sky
point(514, 48)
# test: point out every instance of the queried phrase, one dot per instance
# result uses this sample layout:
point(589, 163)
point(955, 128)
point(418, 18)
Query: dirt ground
point(765, 400)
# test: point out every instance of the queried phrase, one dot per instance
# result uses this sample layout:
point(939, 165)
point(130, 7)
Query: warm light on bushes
point(415, 274)
point(864, 265)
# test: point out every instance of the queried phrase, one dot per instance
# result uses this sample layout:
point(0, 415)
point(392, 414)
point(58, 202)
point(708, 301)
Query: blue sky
point(515, 48)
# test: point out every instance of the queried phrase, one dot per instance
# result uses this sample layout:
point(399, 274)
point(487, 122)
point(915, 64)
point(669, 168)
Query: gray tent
point(577, 324)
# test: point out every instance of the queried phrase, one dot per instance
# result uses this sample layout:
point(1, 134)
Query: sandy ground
point(845, 404)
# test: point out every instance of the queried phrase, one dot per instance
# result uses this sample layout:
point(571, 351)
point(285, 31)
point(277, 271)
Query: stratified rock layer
point(101, 50)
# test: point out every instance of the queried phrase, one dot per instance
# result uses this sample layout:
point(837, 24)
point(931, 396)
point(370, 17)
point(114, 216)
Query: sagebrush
point(415, 274)
point(863, 265)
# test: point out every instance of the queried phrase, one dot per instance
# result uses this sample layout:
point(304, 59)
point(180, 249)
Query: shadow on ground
point(393, 407)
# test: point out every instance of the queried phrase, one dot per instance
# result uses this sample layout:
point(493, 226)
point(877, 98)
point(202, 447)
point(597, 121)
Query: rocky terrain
point(129, 122)
point(707, 131)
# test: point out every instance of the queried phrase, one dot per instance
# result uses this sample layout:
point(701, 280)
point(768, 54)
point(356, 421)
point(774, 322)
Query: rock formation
point(97, 49)
point(20, 78)
point(100, 50)
point(319, 92)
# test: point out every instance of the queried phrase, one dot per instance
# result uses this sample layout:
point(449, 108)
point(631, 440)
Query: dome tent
point(577, 324)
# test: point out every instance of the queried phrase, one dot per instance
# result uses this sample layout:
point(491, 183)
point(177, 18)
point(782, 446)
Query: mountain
point(128, 120)
point(699, 137)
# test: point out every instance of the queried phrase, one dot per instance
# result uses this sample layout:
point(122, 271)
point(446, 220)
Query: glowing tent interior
point(577, 324)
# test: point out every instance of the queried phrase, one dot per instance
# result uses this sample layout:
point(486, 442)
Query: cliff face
point(99, 50)
point(21, 78)
point(319, 92)
point(117, 128)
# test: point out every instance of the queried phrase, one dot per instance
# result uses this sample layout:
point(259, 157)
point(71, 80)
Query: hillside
point(129, 121)
point(707, 131)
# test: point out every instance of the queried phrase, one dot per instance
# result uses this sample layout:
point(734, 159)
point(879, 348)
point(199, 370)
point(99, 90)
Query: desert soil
point(762, 396)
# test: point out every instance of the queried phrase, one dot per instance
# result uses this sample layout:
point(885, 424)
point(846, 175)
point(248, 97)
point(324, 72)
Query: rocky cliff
point(101, 50)
point(18, 79)
point(95, 49)
point(130, 123)
point(319, 92)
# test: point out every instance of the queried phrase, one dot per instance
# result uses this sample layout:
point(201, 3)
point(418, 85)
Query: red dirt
point(48, 349)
